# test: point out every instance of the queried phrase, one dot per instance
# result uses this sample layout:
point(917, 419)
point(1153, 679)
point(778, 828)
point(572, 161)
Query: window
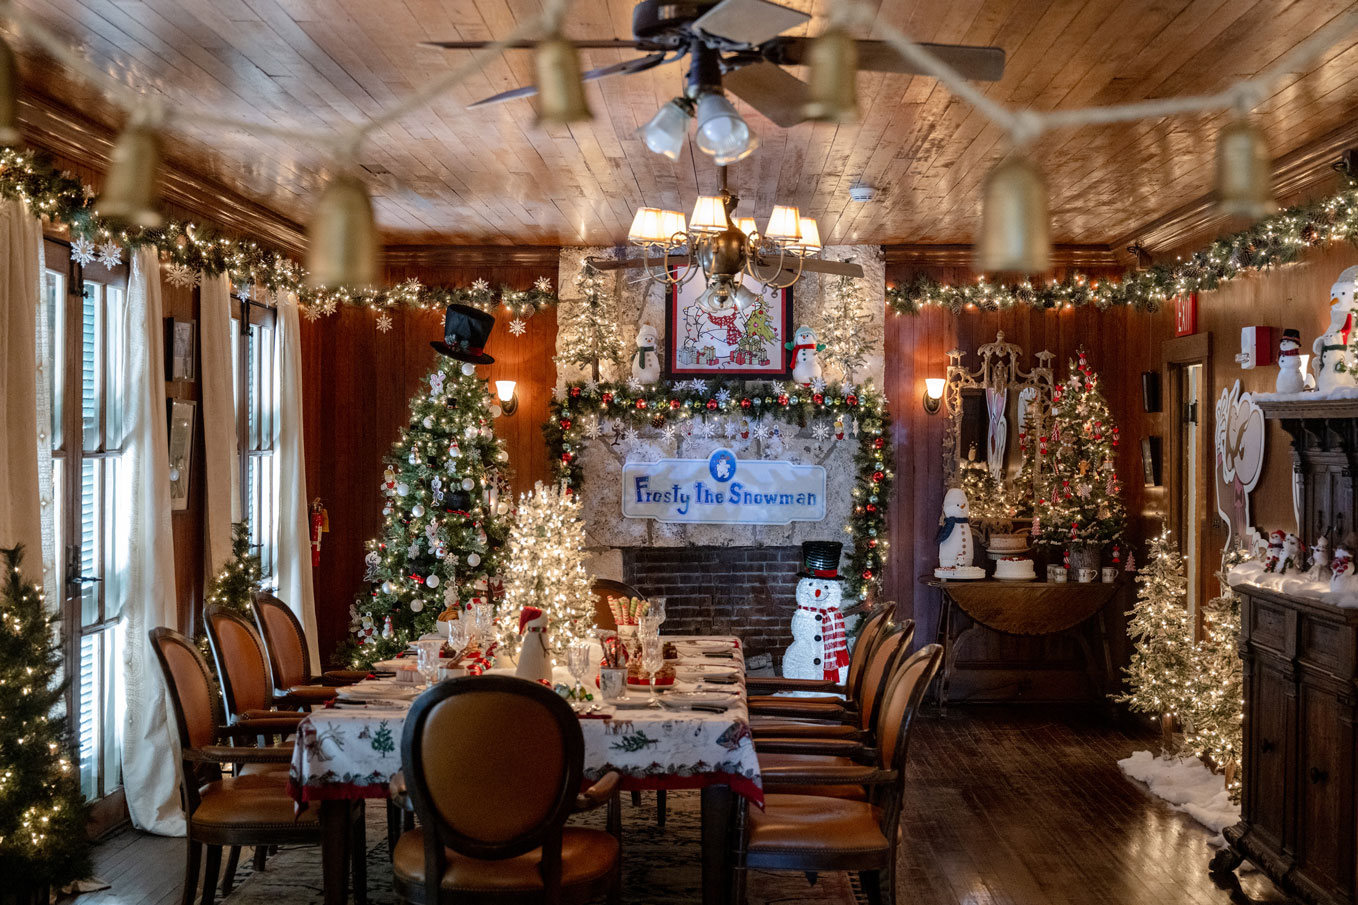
point(254, 348)
point(85, 369)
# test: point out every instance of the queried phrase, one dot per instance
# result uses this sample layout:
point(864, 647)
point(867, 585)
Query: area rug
point(660, 865)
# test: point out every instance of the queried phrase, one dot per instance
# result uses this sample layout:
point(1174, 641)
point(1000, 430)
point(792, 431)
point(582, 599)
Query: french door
point(85, 362)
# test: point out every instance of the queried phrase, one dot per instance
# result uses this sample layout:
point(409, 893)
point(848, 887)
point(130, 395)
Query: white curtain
point(24, 504)
point(145, 552)
point(294, 532)
point(219, 420)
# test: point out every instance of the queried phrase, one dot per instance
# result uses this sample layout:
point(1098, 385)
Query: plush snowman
point(1331, 350)
point(1343, 580)
point(819, 648)
point(1290, 378)
point(535, 662)
point(646, 360)
point(1292, 560)
point(1320, 560)
point(805, 365)
point(1275, 559)
point(955, 549)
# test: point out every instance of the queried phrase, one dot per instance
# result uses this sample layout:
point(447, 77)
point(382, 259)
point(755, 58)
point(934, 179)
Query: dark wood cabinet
point(1299, 822)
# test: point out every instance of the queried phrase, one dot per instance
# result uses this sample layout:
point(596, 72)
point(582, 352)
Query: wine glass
point(578, 659)
point(428, 661)
point(652, 659)
point(655, 607)
point(650, 625)
point(483, 618)
point(456, 629)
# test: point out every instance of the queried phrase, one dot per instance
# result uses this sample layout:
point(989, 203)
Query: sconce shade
point(808, 242)
point(1244, 172)
point(9, 96)
point(933, 387)
point(561, 92)
point(648, 227)
point(832, 83)
point(504, 389)
point(342, 239)
point(709, 215)
point(665, 132)
point(784, 224)
point(1015, 228)
point(129, 194)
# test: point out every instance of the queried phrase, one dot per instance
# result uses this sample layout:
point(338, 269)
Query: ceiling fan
point(739, 46)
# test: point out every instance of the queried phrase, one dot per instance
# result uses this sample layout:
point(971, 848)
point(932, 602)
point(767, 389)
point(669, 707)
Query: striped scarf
point(836, 652)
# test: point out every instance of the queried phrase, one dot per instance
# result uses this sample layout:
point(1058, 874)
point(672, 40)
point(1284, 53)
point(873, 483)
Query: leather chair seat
point(757, 700)
point(345, 676)
point(310, 694)
point(848, 792)
point(808, 707)
point(775, 727)
point(803, 825)
point(250, 801)
point(802, 760)
point(587, 857)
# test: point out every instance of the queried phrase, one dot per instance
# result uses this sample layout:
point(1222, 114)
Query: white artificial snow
point(1307, 395)
point(1294, 584)
point(1188, 786)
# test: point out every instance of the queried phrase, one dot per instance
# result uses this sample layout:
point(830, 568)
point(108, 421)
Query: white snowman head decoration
point(955, 503)
point(648, 336)
point(819, 580)
point(1342, 298)
point(1329, 353)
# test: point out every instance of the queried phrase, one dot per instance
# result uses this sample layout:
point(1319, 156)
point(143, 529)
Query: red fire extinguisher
point(320, 523)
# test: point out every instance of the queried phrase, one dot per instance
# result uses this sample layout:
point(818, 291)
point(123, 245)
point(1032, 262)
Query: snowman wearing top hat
point(819, 648)
point(465, 331)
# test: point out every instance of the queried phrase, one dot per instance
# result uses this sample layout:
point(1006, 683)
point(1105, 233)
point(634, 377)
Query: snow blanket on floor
point(1187, 785)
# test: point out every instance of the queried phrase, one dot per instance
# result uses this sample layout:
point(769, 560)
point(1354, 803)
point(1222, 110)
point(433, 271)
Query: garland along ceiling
point(450, 175)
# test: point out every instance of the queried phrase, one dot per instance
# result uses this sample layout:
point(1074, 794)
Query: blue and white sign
point(723, 490)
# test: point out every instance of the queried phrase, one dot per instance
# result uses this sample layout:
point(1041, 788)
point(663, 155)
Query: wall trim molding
point(546, 256)
point(963, 256)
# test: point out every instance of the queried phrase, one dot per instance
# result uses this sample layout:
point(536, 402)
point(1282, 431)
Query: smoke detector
point(862, 193)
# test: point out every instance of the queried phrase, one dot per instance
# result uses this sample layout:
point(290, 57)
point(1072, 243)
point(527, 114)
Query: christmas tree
point(444, 528)
point(42, 811)
point(547, 568)
point(1081, 503)
point(1028, 484)
point(1214, 718)
point(987, 499)
point(758, 333)
point(845, 327)
point(1159, 677)
point(235, 585)
point(589, 331)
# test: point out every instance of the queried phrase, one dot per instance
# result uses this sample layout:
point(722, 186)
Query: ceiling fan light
point(648, 227)
point(342, 238)
point(1244, 172)
point(832, 82)
point(808, 242)
point(709, 215)
point(1015, 228)
point(9, 96)
point(561, 91)
point(784, 224)
point(129, 195)
point(721, 131)
point(666, 131)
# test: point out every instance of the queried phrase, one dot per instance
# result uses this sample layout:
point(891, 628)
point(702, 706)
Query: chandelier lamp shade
point(129, 195)
point(1244, 172)
point(832, 87)
point(561, 90)
point(1015, 228)
point(722, 132)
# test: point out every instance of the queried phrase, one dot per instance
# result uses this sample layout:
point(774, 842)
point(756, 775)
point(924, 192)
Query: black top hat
point(465, 331)
point(820, 559)
point(1292, 334)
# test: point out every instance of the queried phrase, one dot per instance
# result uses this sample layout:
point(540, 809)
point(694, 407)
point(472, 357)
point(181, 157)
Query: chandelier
point(724, 248)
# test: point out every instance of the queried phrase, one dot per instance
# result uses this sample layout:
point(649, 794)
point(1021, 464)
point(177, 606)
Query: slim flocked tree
point(589, 329)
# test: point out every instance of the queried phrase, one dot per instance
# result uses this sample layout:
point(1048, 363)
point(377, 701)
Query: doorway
point(1187, 363)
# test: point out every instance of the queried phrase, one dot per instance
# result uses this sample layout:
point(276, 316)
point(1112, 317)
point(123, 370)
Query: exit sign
point(1186, 314)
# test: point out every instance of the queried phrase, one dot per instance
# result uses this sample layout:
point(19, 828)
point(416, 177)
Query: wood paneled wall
point(356, 383)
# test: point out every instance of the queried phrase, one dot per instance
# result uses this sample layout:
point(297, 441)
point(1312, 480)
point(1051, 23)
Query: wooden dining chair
point(285, 642)
point(815, 834)
point(243, 668)
point(230, 811)
point(494, 767)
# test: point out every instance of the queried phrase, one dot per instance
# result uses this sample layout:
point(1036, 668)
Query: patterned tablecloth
point(353, 753)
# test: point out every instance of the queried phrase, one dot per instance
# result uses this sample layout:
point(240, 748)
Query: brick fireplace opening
point(749, 592)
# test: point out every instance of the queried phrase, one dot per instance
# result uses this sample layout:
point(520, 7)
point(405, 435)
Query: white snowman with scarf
point(646, 360)
point(805, 365)
point(819, 648)
point(1330, 352)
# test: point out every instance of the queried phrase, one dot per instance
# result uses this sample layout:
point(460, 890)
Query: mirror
point(997, 414)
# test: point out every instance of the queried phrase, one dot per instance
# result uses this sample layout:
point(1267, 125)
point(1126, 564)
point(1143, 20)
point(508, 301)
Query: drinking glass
point(456, 629)
point(655, 607)
point(428, 660)
point(650, 625)
point(578, 660)
point(652, 659)
point(483, 618)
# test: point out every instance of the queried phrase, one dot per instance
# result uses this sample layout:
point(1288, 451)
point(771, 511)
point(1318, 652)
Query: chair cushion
point(310, 694)
point(587, 856)
point(835, 700)
point(344, 676)
point(773, 727)
point(825, 826)
point(801, 760)
point(847, 792)
point(853, 793)
point(251, 801)
point(797, 706)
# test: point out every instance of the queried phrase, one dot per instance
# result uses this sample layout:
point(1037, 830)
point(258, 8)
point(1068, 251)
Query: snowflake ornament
point(110, 255)
point(311, 312)
point(383, 322)
point(629, 434)
point(706, 429)
point(759, 431)
point(847, 388)
point(723, 396)
point(818, 384)
point(181, 275)
point(480, 285)
point(83, 252)
point(542, 284)
point(517, 327)
point(670, 430)
point(329, 305)
point(591, 386)
point(557, 394)
point(634, 384)
point(242, 291)
point(592, 430)
point(697, 385)
point(821, 431)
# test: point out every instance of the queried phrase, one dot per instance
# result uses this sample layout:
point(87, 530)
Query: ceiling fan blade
point(983, 64)
point(672, 261)
point(640, 64)
point(818, 265)
point(749, 22)
point(771, 90)
point(602, 44)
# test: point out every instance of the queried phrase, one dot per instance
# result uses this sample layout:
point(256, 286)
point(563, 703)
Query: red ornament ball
point(641, 403)
point(877, 477)
point(782, 399)
point(871, 507)
point(608, 397)
point(851, 399)
point(867, 575)
point(712, 404)
point(566, 457)
point(565, 424)
point(575, 392)
point(744, 403)
point(674, 403)
point(818, 399)
point(878, 443)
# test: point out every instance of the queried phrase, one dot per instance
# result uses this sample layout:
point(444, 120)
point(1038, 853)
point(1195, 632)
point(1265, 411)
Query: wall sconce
point(509, 399)
point(933, 394)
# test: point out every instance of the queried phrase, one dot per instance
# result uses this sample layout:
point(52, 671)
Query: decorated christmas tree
point(1214, 718)
point(845, 327)
point(443, 534)
point(1160, 676)
point(758, 332)
point(235, 584)
point(42, 811)
point(547, 568)
point(589, 331)
point(1082, 504)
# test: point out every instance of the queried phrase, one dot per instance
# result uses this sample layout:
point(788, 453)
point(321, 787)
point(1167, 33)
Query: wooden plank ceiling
point(450, 175)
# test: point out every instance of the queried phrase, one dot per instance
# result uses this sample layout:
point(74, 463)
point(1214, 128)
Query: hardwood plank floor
point(1005, 806)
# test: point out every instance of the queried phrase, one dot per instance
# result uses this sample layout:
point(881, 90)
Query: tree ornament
point(473, 559)
point(432, 581)
point(416, 605)
point(417, 510)
point(402, 489)
point(468, 369)
point(468, 483)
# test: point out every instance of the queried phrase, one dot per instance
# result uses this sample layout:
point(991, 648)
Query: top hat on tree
point(465, 331)
point(820, 559)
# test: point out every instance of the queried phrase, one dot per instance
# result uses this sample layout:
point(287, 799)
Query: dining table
point(698, 739)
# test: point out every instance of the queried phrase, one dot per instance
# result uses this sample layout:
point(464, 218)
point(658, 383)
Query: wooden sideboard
point(1298, 821)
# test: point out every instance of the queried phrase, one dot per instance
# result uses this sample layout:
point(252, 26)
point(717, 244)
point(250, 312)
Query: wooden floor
point(1006, 806)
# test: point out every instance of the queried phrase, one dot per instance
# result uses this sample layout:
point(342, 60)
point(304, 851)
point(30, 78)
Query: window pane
point(112, 708)
point(115, 355)
point(112, 572)
point(252, 389)
point(268, 390)
point(89, 696)
point(91, 539)
point(91, 366)
point(58, 525)
point(54, 297)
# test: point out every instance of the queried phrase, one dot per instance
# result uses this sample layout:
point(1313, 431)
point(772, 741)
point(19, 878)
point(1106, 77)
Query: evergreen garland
point(42, 810)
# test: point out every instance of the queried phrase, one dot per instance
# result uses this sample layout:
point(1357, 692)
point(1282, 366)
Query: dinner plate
point(702, 668)
point(704, 645)
point(393, 665)
point(367, 691)
point(697, 697)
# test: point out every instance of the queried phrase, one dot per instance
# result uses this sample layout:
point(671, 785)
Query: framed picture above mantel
point(729, 342)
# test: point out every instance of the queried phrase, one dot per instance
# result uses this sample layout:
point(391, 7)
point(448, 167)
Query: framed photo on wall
point(729, 342)
point(182, 414)
point(181, 341)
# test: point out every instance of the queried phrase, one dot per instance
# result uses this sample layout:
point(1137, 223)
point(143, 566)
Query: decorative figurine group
point(1281, 553)
point(1332, 363)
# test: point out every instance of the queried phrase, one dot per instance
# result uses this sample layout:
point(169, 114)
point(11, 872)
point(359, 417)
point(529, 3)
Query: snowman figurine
point(819, 648)
point(1290, 378)
point(955, 548)
point(645, 361)
point(1331, 350)
point(1343, 580)
point(1292, 561)
point(805, 366)
point(1276, 559)
point(1320, 560)
point(535, 663)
